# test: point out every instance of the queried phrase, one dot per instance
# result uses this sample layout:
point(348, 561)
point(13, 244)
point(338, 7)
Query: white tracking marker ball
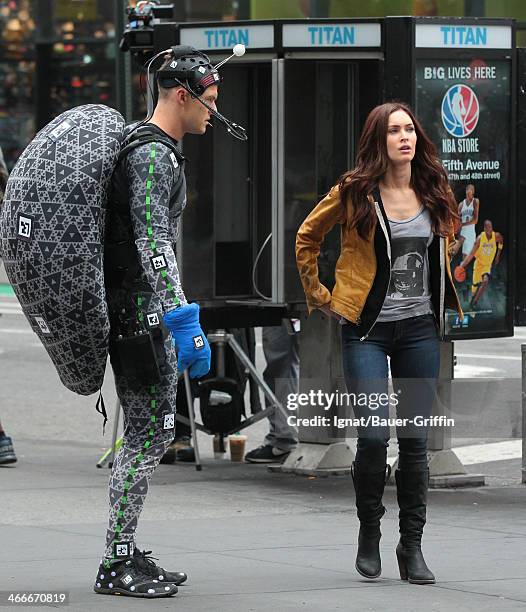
point(239, 50)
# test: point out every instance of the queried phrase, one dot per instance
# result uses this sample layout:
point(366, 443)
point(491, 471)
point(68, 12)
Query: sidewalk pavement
point(255, 541)
point(250, 541)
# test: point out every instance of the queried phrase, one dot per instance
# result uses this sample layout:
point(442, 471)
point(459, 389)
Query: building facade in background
point(55, 54)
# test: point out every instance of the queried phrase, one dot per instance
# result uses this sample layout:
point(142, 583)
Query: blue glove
point(193, 350)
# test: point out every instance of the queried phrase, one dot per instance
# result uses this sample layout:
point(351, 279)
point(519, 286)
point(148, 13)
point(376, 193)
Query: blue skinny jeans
point(413, 348)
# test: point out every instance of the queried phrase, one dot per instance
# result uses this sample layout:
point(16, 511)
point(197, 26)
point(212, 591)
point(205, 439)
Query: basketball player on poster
point(468, 211)
point(486, 251)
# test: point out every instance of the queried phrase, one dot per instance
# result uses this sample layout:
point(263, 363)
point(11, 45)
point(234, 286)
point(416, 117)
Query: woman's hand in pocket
point(326, 309)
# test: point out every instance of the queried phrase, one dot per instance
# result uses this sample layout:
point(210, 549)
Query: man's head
point(192, 116)
point(185, 75)
point(488, 227)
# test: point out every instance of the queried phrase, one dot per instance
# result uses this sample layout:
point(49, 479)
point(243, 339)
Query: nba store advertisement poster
point(464, 105)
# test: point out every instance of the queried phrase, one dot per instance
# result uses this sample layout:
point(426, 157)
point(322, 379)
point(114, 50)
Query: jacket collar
point(374, 197)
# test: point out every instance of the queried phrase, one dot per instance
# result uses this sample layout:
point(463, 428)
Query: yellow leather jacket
point(363, 268)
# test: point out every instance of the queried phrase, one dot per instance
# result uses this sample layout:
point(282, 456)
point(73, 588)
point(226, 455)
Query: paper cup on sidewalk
point(237, 447)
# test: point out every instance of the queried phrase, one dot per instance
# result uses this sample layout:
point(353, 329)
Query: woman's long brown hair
point(428, 177)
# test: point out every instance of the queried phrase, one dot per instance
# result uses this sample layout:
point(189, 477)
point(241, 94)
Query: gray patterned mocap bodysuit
point(142, 283)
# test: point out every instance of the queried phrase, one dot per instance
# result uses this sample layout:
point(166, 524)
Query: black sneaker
point(7, 452)
point(146, 564)
point(266, 454)
point(126, 578)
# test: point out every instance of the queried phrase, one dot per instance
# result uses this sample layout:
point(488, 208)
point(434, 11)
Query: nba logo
point(460, 110)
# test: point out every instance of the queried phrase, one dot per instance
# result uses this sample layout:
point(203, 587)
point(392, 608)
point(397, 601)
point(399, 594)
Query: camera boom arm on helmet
point(191, 69)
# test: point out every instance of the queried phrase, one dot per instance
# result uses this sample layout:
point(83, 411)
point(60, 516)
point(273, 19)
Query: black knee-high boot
point(411, 491)
point(369, 488)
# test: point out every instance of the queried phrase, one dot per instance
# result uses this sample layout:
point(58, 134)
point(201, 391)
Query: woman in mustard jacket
point(393, 283)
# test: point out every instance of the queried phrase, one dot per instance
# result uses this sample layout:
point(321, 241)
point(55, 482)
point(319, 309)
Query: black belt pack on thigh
point(140, 358)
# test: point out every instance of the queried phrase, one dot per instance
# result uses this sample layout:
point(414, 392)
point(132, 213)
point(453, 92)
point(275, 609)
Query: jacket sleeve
point(152, 177)
point(308, 242)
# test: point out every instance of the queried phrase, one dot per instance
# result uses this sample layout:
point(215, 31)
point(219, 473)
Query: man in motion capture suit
point(144, 293)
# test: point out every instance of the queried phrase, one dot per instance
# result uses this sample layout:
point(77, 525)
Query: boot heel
point(402, 567)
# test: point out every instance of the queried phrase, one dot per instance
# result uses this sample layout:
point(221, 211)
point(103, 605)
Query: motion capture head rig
point(187, 67)
point(192, 70)
point(190, 67)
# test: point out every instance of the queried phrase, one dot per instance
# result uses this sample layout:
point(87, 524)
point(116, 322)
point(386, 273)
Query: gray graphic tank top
point(409, 293)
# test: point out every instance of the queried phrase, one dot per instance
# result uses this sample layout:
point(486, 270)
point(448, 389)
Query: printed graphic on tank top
point(407, 273)
point(409, 294)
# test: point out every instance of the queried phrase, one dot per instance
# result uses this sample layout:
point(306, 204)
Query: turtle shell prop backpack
point(52, 225)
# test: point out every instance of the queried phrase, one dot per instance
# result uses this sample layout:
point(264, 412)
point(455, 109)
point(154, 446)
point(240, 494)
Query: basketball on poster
point(465, 107)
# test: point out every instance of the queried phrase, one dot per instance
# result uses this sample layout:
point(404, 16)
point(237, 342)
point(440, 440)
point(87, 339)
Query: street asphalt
point(248, 539)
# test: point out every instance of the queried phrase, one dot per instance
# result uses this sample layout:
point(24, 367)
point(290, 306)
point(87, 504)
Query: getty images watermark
point(468, 408)
point(360, 402)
